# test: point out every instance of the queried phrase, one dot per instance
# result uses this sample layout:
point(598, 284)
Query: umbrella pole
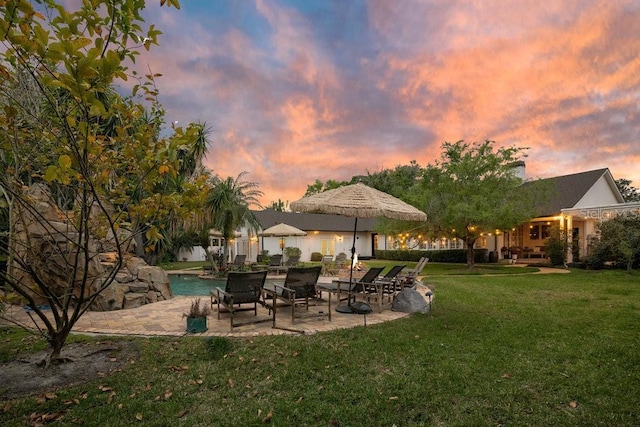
point(353, 254)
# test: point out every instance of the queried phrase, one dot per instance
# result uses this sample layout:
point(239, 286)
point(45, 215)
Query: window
point(534, 232)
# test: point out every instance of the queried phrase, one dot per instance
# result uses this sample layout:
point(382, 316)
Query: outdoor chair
point(339, 264)
point(298, 290)
point(327, 261)
point(389, 281)
point(351, 288)
point(293, 261)
point(242, 292)
point(408, 277)
point(238, 263)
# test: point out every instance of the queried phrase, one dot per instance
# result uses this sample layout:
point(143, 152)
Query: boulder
point(134, 300)
point(124, 277)
point(157, 279)
point(138, 287)
point(111, 298)
point(152, 297)
point(410, 301)
point(134, 263)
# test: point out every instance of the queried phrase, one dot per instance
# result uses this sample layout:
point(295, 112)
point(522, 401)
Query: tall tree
point(69, 144)
point(629, 193)
point(229, 202)
point(472, 190)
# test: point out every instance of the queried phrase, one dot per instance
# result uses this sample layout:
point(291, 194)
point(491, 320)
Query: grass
point(556, 349)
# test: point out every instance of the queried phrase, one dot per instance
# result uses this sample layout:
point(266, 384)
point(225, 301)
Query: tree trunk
point(471, 258)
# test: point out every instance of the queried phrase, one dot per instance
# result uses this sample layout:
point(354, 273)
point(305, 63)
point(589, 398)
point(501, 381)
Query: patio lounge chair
point(327, 261)
point(293, 261)
point(356, 286)
point(389, 281)
point(339, 264)
point(238, 263)
point(298, 289)
point(242, 288)
point(408, 277)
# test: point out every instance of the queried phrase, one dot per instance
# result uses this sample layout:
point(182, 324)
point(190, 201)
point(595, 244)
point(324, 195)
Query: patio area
point(165, 319)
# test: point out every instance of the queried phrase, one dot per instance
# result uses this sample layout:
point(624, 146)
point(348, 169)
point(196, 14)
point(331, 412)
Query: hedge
point(450, 255)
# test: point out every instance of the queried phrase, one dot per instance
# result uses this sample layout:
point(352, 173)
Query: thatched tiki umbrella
point(282, 230)
point(358, 200)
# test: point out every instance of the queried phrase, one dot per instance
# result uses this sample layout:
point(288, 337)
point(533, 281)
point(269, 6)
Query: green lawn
point(556, 349)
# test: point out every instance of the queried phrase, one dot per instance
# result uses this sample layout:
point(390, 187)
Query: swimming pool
point(192, 285)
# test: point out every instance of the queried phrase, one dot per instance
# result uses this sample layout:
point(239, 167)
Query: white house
point(576, 203)
point(326, 234)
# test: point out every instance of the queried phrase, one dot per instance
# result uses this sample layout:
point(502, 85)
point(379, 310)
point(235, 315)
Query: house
point(576, 203)
point(326, 234)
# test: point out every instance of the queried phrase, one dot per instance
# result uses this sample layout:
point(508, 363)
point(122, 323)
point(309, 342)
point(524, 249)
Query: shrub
point(291, 251)
point(316, 256)
point(451, 255)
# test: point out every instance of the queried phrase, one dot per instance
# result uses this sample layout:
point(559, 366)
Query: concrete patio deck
point(165, 319)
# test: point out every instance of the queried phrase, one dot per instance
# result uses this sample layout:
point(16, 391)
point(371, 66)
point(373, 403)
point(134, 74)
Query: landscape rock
point(134, 300)
point(410, 301)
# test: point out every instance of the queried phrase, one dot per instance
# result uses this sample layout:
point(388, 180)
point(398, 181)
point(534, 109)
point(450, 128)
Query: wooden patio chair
point(355, 287)
point(298, 290)
point(242, 292)
point(339, 264)
point(293, 261)
point(388, 282)
point(327, 261)
point(408, 277)
point(238, 263)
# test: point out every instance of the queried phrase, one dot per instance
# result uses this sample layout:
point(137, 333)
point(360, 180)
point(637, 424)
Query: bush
point(316, 256)
point(451, 255)
point(291, 251)
point(619, 243)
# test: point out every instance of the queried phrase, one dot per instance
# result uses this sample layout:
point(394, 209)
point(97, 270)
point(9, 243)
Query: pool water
point(192, 285)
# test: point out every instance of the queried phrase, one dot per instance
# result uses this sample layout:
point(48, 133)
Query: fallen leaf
point(573, 404)
point(296, 354)
point(183, 413)
point(110, 398)
point(113, 359)
point(232, 383)
point(393, 398)
point(299, 399)
point(167, 394)
point(506, 375)
point(50, 396)
point(259, 412)
point(71, 402)
point(139, 416)
point(268, 417)
point(104, 388)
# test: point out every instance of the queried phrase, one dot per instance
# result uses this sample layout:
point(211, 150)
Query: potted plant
point(197, 316)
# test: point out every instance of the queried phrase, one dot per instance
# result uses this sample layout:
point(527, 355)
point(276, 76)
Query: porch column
point(568, 230)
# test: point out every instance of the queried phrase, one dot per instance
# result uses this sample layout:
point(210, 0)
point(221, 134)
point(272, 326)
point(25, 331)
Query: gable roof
point(567, 190)
point(313, 222)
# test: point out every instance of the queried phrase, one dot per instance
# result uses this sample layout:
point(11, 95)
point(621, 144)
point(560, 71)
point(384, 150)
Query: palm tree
point(228, 203)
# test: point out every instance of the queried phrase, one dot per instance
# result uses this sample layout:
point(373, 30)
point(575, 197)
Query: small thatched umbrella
point(358, 200)
point(282, 230)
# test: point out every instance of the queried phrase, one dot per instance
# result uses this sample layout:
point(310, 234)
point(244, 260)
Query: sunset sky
point(315, 89)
